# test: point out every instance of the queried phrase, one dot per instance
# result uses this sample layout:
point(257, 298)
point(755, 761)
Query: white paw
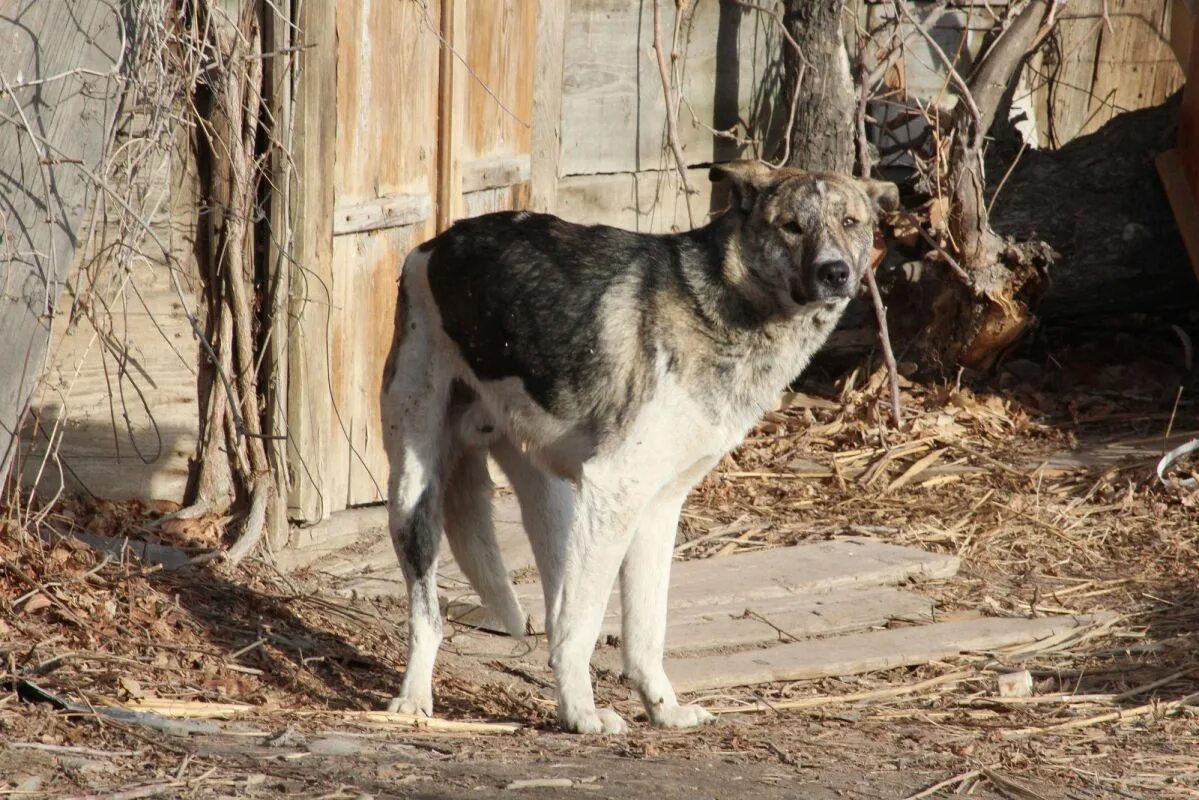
point(593, 720)
point(676, 716)
point(411, 704)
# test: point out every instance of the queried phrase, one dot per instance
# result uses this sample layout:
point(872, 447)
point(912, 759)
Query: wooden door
point(408, 115)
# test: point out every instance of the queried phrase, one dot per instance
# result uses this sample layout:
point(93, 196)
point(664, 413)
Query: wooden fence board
point(546, 143)
point(498, 94)
point(309, 414)
point(1092, 72)
point(48, 126)
point(730, 61)
point(121, 379)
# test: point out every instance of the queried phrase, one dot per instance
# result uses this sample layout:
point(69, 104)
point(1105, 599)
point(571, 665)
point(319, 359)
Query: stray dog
point(606, 372)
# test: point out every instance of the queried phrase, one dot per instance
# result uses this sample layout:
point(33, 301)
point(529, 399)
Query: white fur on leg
point(413, 410)
point(546, 503)
point(470, 529)
point(599, 535)
point(644, 582)
point(424, 639)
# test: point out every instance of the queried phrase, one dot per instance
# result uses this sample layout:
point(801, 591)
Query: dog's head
point(807, 235)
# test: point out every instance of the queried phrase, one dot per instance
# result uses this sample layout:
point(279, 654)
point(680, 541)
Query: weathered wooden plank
point(729, 625)
point(495, 172)
point(386, 108)
point(365, 269)
point(121, 384)
point(613, 109)
point(384, 58)
point(505, 198)
point(1182, 30)
point(730, 72)
point(1135, 67)
point(600, 88)
point(278, 82)
point(127, 432)
point(547, 103)
point(599, 199)
point(751, 579)
point(309, 412)
point(863, 652)
point(1182, 201)
point(802, 569)
point(450, 113)
point(662, 202)
point(366, 563)
point(498, 46)
point(1100, 71)
point(800, 616)
point(392, 211)
point(56, 112)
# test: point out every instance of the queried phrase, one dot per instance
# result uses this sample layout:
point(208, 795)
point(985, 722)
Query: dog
point(606, 372)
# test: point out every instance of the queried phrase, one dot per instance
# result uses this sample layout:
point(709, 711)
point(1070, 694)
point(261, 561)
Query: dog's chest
point(679, 427)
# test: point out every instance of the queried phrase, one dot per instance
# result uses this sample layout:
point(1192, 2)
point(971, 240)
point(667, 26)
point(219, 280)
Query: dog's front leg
point(601, 528)
point(644, 582)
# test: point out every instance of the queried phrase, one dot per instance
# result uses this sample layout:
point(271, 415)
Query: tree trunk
point(822, 137)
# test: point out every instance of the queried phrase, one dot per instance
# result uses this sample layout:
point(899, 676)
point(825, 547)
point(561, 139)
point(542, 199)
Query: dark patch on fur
point(523, 296)
point(524, 300)
point(461, 394)
point(423, 535)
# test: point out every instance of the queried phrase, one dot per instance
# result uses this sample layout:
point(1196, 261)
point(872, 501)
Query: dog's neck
point(742, 303)
point(770, 340)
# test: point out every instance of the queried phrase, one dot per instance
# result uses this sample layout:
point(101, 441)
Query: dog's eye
point(848, 222)
point(794, 227)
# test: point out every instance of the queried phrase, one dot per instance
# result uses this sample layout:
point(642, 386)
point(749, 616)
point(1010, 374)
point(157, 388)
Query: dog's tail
point(471, 533)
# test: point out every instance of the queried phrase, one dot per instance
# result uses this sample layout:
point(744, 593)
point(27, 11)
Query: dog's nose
point(833, 274)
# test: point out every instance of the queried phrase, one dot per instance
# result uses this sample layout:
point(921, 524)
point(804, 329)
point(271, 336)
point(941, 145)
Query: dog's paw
point(688, 716)
point(408, 704)
point(595, 720)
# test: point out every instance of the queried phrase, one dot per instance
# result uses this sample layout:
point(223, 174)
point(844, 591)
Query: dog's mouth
point(798, 295)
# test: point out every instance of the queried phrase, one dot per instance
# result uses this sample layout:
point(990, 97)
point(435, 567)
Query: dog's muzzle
point(833, 279)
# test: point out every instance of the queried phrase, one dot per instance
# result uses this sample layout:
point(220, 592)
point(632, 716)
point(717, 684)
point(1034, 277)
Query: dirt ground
point(980, 469)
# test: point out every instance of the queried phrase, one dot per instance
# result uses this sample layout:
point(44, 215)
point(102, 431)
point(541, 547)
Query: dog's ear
point(883, 194)
point(746, 178)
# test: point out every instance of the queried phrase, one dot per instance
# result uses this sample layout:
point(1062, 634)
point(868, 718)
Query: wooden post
point(547, 103)
point(280, 71)
point(309, 407)
point(450, 99)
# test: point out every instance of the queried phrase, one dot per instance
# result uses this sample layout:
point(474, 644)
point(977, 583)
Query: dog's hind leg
point(545, 510)
point(644, 581)
point(415, 512)
point(470, 529)
point(418, 441)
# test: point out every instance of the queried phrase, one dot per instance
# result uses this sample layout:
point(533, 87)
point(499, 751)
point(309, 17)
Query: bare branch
point(672, 132)
point(884, 338)
point(993, 76)
point(963, 93)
